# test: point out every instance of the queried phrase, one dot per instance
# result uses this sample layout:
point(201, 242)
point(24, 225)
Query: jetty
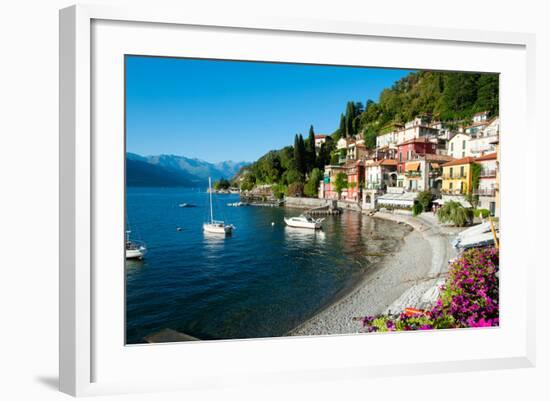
point(327, 210)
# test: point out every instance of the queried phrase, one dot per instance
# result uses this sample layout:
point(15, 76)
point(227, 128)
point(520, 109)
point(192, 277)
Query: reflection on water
point(297, 237)
point(262, 281)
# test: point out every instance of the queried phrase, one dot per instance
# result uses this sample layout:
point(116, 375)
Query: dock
point(328, 210)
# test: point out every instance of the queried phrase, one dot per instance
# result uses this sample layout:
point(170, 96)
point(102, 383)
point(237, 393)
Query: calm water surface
point(262, 281)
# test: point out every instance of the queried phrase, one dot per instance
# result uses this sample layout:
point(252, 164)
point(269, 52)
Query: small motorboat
point(134, 249)
point(186, 205)
point(237, 204)
point(304, 221)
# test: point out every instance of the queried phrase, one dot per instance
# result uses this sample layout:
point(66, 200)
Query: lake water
point(262, 281)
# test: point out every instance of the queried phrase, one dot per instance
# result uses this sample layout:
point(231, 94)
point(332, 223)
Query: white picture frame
point(83, 352)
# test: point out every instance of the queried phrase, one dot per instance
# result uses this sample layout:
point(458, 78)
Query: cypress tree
point(299, 154)
point(342, 128)
point(311, 149)
point(350, 115)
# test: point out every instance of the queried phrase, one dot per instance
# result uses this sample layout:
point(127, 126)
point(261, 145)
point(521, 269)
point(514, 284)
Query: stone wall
point(306, 203)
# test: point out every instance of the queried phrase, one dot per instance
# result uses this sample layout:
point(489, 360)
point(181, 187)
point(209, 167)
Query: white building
point(458, 146)
point(484, 140)
point(319, 140)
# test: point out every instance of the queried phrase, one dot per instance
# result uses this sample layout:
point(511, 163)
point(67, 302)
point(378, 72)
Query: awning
point(412, 166)
point(434, 165)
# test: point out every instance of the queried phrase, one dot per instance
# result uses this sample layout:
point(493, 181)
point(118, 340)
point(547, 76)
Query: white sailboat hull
point(135, 253)
point(216, 228)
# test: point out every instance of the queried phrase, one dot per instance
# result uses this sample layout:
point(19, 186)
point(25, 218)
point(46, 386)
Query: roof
point(320, 136)
point(484, 122)
point(489, 156)
point(416, 140)
point(387, 162)
point(457, 162)
point(382, 162)
point(481, 113)
point(434, 157)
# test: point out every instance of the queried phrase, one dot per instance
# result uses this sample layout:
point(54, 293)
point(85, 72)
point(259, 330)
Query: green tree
point(472, 196)
point(424, 199)
point(350, 116)
point(342, 127)
point(296, 189)
point(487, 93)
point(340, 183)
point(312, 186)
point(310, 150)
point(334, 158)
point(222, 184)
point(299, 155)
point(453, 212)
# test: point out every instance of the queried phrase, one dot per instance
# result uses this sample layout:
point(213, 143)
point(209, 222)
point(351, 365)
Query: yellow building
point(457, 177)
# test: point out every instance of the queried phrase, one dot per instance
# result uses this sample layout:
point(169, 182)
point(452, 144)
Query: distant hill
point(173, 170)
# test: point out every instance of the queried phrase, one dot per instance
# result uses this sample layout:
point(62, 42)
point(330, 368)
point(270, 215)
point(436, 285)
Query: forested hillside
point(449, 97)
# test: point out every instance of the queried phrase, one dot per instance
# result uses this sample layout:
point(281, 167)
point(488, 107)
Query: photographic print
point(268, 199)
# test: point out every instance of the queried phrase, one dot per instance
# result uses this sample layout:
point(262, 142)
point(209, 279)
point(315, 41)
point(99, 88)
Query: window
point(452, 146)
point(463, 154)
point(451, 186)
point(463, 144)
point(461, 171)
point(451, 172)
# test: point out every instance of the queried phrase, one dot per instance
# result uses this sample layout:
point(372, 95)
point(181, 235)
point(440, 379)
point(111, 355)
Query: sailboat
point(215, 226)
point(134, 249)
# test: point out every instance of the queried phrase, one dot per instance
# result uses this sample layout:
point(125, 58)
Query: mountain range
point(173, 170)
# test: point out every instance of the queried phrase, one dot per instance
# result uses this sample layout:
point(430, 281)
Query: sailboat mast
point(210, 190)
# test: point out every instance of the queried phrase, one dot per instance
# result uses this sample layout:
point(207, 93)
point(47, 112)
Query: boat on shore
point(304, 221)
point(215, 226)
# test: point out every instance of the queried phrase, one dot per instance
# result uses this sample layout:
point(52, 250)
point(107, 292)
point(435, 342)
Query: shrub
point(424, 198)
point(484, 213)
point(312, 186)
point(469, 298)
point(296, 189)
point(455, 213)
point(417, 209)
point(279, 191)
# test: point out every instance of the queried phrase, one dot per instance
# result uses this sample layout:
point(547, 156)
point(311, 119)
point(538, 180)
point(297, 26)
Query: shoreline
point(408, 277)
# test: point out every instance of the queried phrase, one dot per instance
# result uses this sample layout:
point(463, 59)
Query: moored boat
point(304, 221)
point(216, 226)
point(134, 249)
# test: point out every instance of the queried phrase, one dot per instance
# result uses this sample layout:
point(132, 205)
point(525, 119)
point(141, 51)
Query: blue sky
point(228, 110)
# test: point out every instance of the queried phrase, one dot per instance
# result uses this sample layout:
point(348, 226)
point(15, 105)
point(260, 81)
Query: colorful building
point(457, 177)
point(355, 172)
point(487, 186)
point(327, 189)
point(380, 174)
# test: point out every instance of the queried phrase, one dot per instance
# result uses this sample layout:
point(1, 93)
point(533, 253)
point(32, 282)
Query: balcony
point(454, 177)
point(373, 185)
point(412, 174)
point(453, 191)
point(485, 192)
point(488, 173)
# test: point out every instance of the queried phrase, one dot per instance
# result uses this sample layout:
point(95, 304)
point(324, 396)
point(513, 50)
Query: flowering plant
point(469, 298)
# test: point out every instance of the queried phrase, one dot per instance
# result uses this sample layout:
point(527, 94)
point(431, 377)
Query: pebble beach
point(409, 277)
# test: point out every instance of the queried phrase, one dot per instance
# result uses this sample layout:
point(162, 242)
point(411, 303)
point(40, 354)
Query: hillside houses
point(420, 155)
